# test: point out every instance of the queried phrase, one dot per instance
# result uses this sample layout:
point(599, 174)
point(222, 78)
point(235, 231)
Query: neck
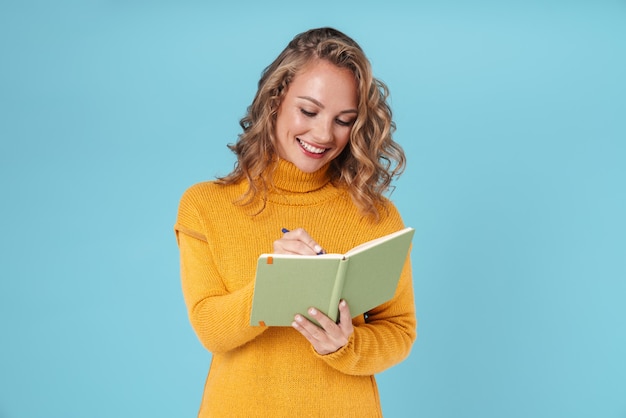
point(287, 177)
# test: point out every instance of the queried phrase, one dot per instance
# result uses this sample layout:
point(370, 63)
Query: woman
point(315, 157)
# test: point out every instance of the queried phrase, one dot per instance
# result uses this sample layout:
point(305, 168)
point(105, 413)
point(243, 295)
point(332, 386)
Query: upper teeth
point(311, 148)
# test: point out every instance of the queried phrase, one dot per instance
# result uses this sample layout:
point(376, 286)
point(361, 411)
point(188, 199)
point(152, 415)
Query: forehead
point(326, 79)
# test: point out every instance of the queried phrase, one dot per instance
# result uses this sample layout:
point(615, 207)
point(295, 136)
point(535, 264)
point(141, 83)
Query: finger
point(298, 241)
point(325, 322)
point(285, 246)
point(305, 238)
point(322, 341)
point(311, 332)
point(345, 318)
point(282, 246)
point(335, 336)
point(291, 243)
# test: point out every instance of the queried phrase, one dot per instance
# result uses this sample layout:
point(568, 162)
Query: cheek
point(298, 122)
point(290, 123)
point(342, 138)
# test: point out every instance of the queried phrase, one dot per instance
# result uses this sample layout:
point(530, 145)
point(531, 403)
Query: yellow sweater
point(274, 371)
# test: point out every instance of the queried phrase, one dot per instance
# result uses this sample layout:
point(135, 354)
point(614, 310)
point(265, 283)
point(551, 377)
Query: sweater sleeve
point(219, 318)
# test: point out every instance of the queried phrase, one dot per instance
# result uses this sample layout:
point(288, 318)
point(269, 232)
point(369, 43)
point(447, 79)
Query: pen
point(320, 252)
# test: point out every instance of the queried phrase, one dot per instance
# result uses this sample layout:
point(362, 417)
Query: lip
point(310, 153)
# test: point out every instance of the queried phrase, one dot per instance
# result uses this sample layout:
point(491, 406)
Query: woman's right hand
point(297, 241)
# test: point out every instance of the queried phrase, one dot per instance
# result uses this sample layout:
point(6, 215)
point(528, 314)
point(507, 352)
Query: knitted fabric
point(274, 371)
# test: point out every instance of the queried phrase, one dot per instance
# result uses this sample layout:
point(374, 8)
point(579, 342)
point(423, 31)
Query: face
point(316, 115)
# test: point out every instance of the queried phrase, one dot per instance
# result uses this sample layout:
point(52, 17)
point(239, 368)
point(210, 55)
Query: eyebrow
point(318, 103)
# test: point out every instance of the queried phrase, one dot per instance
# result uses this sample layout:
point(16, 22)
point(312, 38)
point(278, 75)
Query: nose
point(323, 131)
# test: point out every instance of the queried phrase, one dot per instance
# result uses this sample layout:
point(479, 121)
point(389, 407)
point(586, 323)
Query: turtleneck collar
point(286, 177)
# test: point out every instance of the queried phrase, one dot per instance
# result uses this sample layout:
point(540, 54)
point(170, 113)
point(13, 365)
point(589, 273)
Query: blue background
point(512, 115)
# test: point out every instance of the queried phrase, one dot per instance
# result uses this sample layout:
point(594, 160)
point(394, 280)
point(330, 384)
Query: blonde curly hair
point(372, 159)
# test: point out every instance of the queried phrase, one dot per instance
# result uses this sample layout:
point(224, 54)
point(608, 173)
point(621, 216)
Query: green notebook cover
point(366, 276)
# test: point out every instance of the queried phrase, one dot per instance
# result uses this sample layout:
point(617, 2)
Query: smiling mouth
point(310, 148)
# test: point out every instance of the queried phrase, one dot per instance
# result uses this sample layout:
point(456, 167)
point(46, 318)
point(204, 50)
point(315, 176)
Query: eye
point(307, 113)
point(344, 122)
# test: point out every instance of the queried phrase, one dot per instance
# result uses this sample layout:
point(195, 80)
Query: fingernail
point(313, 311)
point(318, 249)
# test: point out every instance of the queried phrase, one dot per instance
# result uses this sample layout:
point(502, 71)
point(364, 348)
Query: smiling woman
point(372, 159)
point(314, 159)
point(315, 117)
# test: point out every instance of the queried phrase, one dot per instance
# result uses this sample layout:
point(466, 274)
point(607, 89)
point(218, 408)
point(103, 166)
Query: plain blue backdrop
point(513, 118)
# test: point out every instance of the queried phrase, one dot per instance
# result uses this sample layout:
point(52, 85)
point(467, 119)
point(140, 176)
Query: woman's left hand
point(331, 337)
